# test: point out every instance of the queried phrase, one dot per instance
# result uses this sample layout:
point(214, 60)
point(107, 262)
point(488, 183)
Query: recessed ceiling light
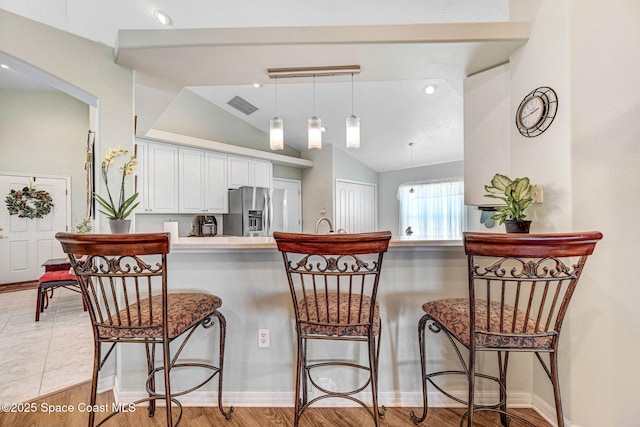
point(6, 67)
point(430, 89)
point(257, 85)
point(162, 17)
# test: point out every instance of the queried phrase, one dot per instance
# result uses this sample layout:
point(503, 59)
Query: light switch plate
point(537, 193)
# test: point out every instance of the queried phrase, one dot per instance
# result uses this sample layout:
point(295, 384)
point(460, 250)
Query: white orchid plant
point(125, 205)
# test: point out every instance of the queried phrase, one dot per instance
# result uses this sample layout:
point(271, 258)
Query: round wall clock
point(536, 111)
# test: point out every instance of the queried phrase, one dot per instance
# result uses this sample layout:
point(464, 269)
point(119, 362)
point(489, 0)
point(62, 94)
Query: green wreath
point(29, 203)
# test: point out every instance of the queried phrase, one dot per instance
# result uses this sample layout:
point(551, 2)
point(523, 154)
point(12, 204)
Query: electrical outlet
point(263, 338)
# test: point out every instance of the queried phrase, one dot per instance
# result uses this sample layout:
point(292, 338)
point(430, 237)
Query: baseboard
point(548, 412)
point(18, 286)
point(270, 399)
point(256, 399)
point(107, 383)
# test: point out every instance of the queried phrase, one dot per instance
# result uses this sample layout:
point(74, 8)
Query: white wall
point(317, 187)
point(78, 62)
point(604, 66)
point(545, 159)
point(586, 50)
point(190, 114)
point(45, 132)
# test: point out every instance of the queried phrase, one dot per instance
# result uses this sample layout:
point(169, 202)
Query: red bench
point(57, 274)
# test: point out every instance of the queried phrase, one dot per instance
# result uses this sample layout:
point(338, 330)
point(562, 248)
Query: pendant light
point(412, 191)
point(314, 125)
point(353, 125)
point(276, 129)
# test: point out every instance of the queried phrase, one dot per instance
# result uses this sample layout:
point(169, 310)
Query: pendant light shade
point(276, 134)
point(315, 133)
point(314, 125)
point(276, 129)
point(353, 132)
point(353, 125)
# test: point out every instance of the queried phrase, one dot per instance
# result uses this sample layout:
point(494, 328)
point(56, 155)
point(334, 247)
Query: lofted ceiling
point(220, 49)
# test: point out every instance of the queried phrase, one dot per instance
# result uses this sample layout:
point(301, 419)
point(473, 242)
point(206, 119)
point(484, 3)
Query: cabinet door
point(191, 179)
point(162, 166)
point(239, 172)
point(262, 173)
point(215, 183)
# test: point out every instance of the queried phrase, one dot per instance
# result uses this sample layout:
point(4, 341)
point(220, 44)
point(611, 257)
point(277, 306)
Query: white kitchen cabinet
point(244, 171)
point(216, 189)
point(157, 177)
point(262, 172)
point(239, 171)
point(203, 181)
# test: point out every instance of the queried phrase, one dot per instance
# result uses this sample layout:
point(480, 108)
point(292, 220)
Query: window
point(435, 211)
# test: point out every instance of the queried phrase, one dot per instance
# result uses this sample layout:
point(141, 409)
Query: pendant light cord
point(352, 94)
point(411, 148)
point(314, 95)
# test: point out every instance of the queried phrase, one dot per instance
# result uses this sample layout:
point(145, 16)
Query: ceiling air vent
point(242, 105)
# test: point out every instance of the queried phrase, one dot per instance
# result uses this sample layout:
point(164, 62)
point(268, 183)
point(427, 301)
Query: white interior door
point(27, 243)
point(355, 206)
point(287, 205)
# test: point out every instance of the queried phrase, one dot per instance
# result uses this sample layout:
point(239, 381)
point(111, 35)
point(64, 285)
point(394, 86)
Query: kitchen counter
point(248, 274)
point(223, 243)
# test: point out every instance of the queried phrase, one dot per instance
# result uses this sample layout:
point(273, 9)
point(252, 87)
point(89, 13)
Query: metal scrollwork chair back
point(123, 279)
point(520, 286)
point(333, 279)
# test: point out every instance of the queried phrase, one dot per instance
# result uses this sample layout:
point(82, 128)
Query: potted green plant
point(516, 195)
point(117, 213)
point(84, 226)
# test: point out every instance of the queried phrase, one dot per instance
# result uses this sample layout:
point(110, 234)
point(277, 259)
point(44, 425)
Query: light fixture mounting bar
point(313, 71)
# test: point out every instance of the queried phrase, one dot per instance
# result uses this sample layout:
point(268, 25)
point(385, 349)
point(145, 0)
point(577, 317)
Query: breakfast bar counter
point(248, 274)
point(239, 243)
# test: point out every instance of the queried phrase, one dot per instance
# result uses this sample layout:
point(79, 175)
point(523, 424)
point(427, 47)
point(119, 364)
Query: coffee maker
point(205, 226)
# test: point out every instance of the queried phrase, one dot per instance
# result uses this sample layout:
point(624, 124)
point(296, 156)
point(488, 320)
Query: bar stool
point(333, 281)
point(123, 278)
point(520, 286)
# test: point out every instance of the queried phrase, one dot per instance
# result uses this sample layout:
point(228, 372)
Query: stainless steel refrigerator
point(255, 211)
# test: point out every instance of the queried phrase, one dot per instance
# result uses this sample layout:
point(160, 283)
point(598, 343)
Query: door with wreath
point(30, 217)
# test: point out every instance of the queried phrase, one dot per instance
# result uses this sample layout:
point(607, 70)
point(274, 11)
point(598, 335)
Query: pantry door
point(355, 206)
point(27, 243)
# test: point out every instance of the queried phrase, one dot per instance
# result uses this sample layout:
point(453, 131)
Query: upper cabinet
point(244, 171)
point(239, 171)
point(157, 177)
point(203, 181)
point(486, 131)
point(175, 179)
point(262, 171)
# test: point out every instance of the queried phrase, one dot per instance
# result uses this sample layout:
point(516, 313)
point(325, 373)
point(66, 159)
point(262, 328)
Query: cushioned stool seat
point(56, 276)
point(184, 311)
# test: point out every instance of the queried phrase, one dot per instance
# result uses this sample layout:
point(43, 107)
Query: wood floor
point(242, 417)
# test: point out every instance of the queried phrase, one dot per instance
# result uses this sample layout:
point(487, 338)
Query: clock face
point(531, 112)
point(536, 111)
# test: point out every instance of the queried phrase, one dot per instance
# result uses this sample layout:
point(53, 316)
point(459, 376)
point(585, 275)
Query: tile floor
point(37, 358)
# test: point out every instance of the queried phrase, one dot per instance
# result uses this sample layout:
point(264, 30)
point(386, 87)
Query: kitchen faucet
point(321, 220)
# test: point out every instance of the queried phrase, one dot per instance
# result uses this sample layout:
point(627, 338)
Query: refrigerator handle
point(270, 229)
point(265, 216)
